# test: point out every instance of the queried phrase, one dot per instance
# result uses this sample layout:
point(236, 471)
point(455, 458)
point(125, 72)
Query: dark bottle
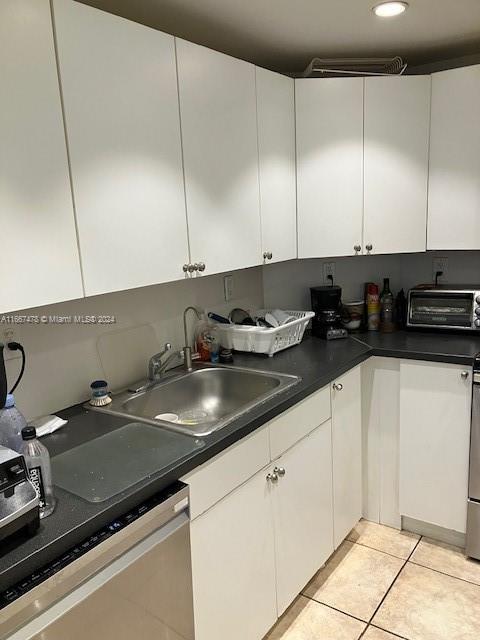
point(386, 308)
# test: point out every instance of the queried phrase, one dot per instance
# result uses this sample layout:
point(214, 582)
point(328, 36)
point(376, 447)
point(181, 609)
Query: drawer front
point(213, 480)
point(292, 425)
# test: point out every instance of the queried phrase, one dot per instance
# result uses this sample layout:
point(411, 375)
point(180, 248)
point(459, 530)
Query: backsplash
point(63, 358)
point(286, 284)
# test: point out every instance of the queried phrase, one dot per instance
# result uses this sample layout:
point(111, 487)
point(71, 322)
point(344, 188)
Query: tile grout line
point(361, 544)
point(324, 604)
point(394, 581)
point(442, 573)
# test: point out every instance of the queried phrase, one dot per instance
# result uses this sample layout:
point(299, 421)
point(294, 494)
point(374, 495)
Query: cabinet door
point(454, 184)
point(121, 107)
point(435, 404)
point(347, 453)
point(276, 152)
point(397, 115)
point(39, 259)
point(329, 115)
point(233, 565)
point(302, 509)
point(219, 131)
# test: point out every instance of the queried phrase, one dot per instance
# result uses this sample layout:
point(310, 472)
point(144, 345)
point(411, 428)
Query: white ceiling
point(286, 34)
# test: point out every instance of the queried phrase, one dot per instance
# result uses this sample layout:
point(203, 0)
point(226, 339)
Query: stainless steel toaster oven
point(444, 307)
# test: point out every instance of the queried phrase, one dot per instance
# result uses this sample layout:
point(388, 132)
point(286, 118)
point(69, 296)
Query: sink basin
point(201, 401)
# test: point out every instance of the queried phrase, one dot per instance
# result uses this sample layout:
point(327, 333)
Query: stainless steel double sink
point(201, 401)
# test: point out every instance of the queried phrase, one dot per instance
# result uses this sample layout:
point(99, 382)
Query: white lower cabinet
point(233, 565)
point(346, 453)
point(435, 405)
point(302, 512)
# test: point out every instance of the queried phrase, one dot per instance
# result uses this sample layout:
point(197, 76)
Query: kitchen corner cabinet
point(122, 119)
point(329, 124)
point(435, 405)
point(302, 512)
point(276, 154)
point(219, 134)
point(39, 256)
point(397, 117)
point(347, 453)
point(233, 565)
point(454, 184)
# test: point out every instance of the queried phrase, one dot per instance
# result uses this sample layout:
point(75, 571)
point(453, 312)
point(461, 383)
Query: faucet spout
point(187, 350)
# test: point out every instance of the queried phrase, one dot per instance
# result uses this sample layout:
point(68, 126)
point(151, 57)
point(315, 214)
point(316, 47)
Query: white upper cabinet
point(329, 116)
point(276, 152)
point(39, 257)
point(454, 185)
point(121, 108)
point(397, 116)
point(219, 132)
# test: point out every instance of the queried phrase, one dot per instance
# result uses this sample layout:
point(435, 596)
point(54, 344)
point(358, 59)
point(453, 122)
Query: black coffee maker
point(326, 303)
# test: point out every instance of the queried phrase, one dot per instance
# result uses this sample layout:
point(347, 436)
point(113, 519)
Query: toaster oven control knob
point(477, 323)
point(477, 299)
point(477, 311)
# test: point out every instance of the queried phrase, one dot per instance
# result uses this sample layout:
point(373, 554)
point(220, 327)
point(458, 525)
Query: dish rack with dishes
point(264, 339)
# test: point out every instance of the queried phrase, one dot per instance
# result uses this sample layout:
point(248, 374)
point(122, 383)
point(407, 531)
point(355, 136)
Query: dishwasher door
point(144, 594)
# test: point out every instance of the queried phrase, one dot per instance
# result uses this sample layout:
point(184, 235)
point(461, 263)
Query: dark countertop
point(316, 361)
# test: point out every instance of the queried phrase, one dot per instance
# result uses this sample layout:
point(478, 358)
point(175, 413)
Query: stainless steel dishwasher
point(473, 519)
point(132, 583)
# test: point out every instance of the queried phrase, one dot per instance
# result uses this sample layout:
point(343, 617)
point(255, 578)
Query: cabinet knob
point(280, 471)
point(264, 255)
point(272, 477)
point(357, 248)
point(464, 375)
point(191, 268)
point(185, 268)
point(201, 266)
point(269, 255)
point(338, 386)
point(369, 247)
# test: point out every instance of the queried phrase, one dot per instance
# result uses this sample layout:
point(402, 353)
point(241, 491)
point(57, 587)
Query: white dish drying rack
point(264, 339)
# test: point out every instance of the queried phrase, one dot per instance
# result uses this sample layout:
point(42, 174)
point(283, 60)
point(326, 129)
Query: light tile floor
point(384, 584)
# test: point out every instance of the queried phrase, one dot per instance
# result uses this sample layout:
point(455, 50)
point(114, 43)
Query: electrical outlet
point(328, 270)
point(9, 335)
point(228, 288)
point(440, 264)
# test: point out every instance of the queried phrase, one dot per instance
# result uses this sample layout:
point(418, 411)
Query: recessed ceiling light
point(390, 9)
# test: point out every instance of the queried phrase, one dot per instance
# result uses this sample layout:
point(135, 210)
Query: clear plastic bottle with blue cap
point(11, 424)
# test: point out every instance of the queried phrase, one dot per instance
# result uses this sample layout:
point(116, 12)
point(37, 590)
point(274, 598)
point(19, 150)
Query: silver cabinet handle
point(357, 248)
point(265, 255)
point(201, 266)
point(280, 471)
point(272, 477)
point(191, 268)
point(338, 386)
point(269, 255)
point(465, 375)
point(369, 247)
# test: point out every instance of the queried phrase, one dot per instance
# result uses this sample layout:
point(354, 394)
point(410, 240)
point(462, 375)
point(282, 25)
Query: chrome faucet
point(155, 365)
point(187, 349)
